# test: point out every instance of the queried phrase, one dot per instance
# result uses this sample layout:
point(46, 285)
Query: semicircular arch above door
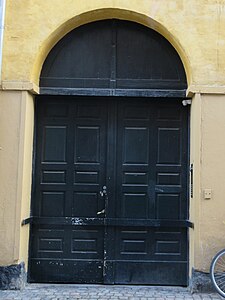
point(113, 57)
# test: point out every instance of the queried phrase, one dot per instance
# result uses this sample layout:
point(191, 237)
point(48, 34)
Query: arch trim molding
point(102, 14)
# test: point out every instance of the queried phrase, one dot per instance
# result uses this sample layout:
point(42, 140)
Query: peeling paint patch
point(77, 221)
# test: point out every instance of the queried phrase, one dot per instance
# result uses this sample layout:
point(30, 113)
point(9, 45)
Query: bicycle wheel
point(217, 272)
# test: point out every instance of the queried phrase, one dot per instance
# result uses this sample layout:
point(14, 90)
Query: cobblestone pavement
point(95, 292)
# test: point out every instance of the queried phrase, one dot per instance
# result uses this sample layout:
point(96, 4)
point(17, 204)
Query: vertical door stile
point(69, 176)
point(152, 163)
point(109, 250)
point(152, 176)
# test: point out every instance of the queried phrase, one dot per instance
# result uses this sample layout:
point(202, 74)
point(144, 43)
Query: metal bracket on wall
point(26, 221)
point(191, 180)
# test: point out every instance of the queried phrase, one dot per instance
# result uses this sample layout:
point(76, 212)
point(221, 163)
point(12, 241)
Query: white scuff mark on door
point(77, 221)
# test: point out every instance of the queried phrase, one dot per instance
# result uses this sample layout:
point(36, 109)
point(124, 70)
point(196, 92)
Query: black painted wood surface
point(137, 149)
point(110, 56)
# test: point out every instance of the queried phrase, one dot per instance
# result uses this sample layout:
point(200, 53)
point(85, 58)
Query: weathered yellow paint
point(195, 28)
point(212, 212)
point(16, 131)
point(28, 123)
point(195, 159)
point(99, 15)
point(9, 174)
point(33, 27)
point(207, 155)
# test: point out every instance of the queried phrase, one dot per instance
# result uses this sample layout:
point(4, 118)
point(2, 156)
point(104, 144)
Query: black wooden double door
point(110, 196)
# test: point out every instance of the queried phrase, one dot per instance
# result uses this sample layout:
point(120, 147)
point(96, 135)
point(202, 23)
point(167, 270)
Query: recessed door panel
point(54, 147)
point(136, 145)
point(87, 144)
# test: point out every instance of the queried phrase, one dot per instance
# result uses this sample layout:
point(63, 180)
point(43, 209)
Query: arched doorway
point(110, 194)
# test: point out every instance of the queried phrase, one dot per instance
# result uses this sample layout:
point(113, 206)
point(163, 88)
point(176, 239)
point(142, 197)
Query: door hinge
point(186, 102)
point(26, 221)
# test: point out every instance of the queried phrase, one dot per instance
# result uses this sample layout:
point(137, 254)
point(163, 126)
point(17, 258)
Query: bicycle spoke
point(219, 275)
point(220, 281)
point(217, 272)
point(222, 286)
point(219, 264)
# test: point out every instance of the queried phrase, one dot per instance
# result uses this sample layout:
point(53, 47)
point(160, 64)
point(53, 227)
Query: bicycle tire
point(217, 272)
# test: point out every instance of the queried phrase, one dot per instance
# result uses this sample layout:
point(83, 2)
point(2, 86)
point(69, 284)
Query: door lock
point(104, 191)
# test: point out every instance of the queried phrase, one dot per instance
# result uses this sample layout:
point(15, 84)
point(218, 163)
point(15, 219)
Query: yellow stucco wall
point(9, 157)
point(16, 132)
point(32, 27)
point(212, 212)
point(196, 28)
point(207, 155)
point(195, 159)
point(28, 117)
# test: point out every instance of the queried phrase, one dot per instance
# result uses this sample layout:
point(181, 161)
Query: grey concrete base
point(200, 282)
point(12, 277)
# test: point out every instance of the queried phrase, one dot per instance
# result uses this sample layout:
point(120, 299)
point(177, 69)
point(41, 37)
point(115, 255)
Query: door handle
point(101, 212)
